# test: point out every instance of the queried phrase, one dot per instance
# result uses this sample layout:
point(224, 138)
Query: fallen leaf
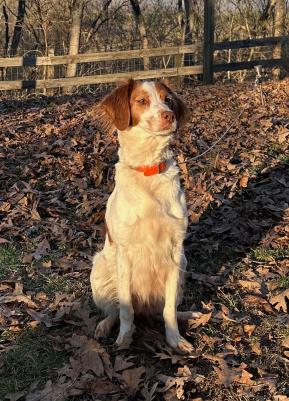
point(50, 392)
point(40, 317)
point(244, 180)
point(90, 358)
point(250, 285)
point(227, 375)
point(285, 342)
point(121, 363)
point(259, 301)
point(279, 300)
point(27, 259)
point(42, 249)
point(249, 329)
point(245, 377)
point(18, 298)
point(4, 287)
point(101, 386)
point(200, 321)
point(256, 348)
point(132, 379)
point(279, 397)
point(177, 382)
point(224, 314)
point(282, 134)
point(15, 396)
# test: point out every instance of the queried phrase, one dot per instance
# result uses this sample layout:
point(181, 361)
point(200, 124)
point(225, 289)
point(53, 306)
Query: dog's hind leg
point(104, 327)
point(104, 290)
point(126, 312)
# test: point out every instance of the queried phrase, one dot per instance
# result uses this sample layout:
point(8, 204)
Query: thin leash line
point(218, 140)
point(258, 82)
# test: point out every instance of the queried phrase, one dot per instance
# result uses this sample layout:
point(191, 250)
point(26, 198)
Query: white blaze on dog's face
point(151, 106)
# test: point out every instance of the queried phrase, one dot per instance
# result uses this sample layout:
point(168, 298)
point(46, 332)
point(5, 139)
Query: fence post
point(49, 72)
point(178, 64)
point(209, 28)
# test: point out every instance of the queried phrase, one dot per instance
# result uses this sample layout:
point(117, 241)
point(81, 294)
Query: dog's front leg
point(126, 313)
point(174, 339)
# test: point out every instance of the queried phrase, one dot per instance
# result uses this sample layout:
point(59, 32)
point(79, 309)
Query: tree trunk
point(74, 38)
point(7, 37)
point(139, 20)
point(180, 16)
point(188, 35)
point(279, 27)
point(18, 28)
point(98, 21)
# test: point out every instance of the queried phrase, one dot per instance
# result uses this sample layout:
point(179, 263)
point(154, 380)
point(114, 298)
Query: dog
point(142, 265)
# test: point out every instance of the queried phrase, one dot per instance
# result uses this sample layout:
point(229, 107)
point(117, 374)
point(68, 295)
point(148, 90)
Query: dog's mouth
point(169, 129)
point(163, 129)
point(158, 131)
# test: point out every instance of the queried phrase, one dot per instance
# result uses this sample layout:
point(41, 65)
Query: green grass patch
point(31, 358)
point(33, 280)
point(52, 283)
point(275, 151)
point(10, 260)
point(284, 282)
point(263, 254)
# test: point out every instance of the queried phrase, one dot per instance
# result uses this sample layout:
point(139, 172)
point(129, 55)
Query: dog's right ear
point(115, 107)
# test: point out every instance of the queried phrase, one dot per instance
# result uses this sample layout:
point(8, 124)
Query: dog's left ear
point(115, 107)
point(179, 109)
point(178, 106)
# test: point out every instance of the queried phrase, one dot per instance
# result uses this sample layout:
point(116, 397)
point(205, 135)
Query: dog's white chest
point(156, 206)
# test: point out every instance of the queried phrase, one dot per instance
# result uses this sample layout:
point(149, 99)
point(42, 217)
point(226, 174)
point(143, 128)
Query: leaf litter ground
point(56, 175)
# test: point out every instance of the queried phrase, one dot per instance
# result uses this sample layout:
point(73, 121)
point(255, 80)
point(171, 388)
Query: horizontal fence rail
point(247, 65)
point(179, 69)
point(100, 79)
point(101, 56)
point(256, 42)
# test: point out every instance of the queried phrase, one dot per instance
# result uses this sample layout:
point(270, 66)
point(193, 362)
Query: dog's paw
point(103, 328)
point(124, 338)
point(179, 344)
point(184, 316)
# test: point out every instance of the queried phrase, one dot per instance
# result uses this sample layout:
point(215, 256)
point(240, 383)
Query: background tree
point(279, 30)
point(74, 36)
point(18, 27)
point(140, 24)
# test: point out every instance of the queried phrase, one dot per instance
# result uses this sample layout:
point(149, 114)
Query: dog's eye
point(141, 101)
point(168, 99)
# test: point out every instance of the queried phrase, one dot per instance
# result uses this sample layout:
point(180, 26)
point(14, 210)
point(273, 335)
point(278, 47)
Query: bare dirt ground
point(56, 173)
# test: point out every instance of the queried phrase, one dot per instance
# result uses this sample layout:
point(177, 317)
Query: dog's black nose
point(168, 116)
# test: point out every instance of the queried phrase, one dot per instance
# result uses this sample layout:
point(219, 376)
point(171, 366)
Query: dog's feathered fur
point(142, 264)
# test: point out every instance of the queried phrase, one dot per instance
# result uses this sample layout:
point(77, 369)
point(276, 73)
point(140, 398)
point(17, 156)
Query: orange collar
point(152, 170)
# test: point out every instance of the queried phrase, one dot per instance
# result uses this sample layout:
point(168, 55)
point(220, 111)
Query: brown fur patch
point(137, 108)
point(115, 107)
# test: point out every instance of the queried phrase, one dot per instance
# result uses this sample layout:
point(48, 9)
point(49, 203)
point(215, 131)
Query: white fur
point(156, 106)
point(141, 270)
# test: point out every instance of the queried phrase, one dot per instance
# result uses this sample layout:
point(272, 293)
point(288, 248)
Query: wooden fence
point(208, 68)
point(178, 51)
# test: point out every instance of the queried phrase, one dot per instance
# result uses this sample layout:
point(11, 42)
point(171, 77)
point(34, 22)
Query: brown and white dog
point(142, 265)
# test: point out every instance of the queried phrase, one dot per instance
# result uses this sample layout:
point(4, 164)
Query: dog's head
point(152, 106)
